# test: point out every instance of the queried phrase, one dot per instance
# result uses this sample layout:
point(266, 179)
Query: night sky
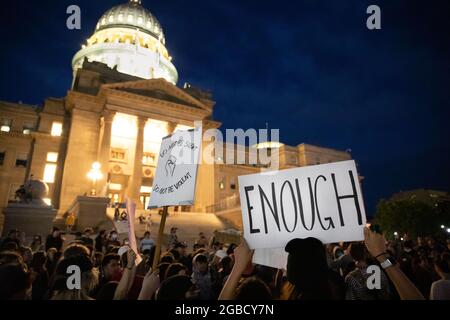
point(310, 68)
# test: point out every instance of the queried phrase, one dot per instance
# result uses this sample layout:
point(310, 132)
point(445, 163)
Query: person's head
point(430, 242)
point(111, 266)
point(38, 262)
point(201, 263)
point(420, 241)
point(167, 258)
point(442, 265)
point(162, 267)
point(122, 252)
point(56, 232)
point(37, 239)
point(15, 281)
point(217, 245)
point(9, 246)
point(253, 289)
point(181, 248)
point(408, 245)
point(102, 233)
point(201, 235)
point(27, 254)
point(87, 232)
point(176, 254)
point(338, 252)
point(76, 249)
point(147, 235)
point(231, 248)
point(307, 268)
point(10, 257)
point(113, 235)
point(173, 230)
point(89, 278)
point(175, 269)
point(13, 234)
point(51, 254)
point(357, 251)
point(177, 287)
point(226, 264)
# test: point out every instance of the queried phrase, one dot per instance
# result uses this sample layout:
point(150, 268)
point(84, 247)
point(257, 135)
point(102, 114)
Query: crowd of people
point(211, 270)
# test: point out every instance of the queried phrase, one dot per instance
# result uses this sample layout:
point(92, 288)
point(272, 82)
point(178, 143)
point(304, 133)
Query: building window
point(49, 173)
point(47, 201)
point(6, 125)
point(115, 186)
point(28, 127)
point(56, 129)
point(22, 160)
point(148, 159)
point(52, 157)
point(50, 167)
point(2, 157)
point(146, 189)
point(121, 17)
point(130, 18)
point(221, 185)
point(118, 155)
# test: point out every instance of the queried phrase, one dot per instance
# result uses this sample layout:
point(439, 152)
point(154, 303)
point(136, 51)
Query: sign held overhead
point(322, 201)
point(176, 171)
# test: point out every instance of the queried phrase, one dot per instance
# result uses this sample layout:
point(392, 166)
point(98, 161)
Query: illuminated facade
point(123, 100)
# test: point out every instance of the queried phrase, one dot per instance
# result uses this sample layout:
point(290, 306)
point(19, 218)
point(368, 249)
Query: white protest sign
point(131, 208)
point(176, 171)
point(271, 257)
point(322, 201)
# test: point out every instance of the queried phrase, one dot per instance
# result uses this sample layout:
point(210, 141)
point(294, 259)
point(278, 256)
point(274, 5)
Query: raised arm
point(376, 245)
point(149, 285)
point(242, 256)
point(127, 277)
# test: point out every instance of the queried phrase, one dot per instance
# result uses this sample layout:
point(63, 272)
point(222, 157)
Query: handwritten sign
point(176, 171)
point(323, 201)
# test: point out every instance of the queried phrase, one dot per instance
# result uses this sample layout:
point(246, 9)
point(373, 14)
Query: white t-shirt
point(147, 244)
point(440, 290)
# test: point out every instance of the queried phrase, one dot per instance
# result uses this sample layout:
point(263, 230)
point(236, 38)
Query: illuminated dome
point(131, 15)
point(130, 38)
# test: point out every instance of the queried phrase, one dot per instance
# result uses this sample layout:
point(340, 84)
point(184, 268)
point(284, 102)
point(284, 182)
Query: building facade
point(123, 101)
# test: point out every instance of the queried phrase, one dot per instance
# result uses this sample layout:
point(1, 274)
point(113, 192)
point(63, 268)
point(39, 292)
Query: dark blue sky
point(310, 68)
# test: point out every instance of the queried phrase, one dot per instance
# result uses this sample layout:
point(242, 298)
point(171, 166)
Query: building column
point(104, 152)
point(136, 179)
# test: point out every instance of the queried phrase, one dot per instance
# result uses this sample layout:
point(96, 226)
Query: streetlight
point(95, 174)
point(395, 233)
point(448, 230)
point(442, 226)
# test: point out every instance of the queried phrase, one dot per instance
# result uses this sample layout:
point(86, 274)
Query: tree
point(412, 217)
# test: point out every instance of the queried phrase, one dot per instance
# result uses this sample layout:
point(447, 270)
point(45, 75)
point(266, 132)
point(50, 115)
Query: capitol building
point(123, 100)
